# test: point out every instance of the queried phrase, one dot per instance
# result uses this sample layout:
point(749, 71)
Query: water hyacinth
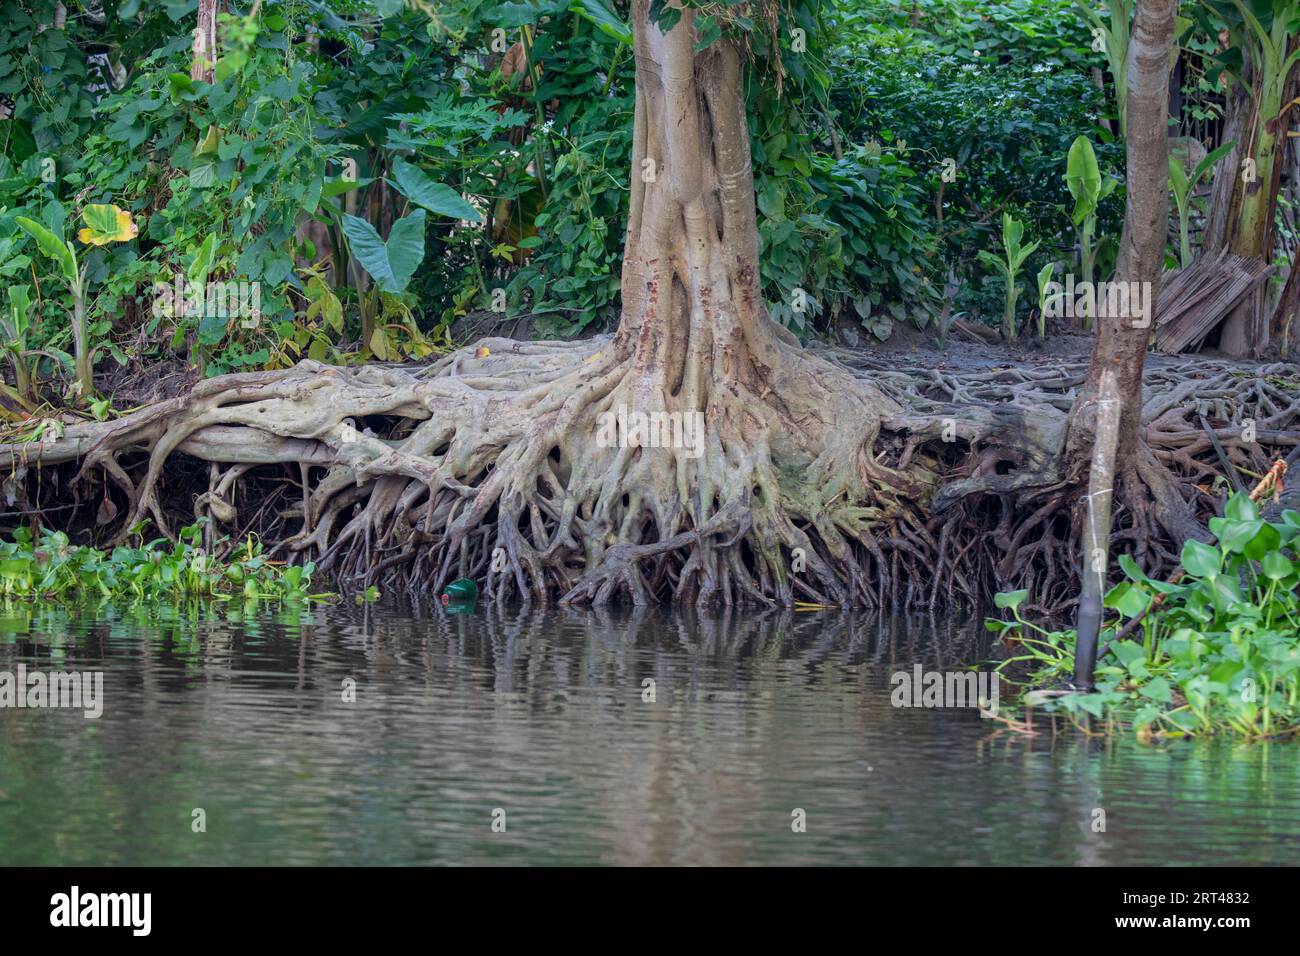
point(48, 565)
point(1220, 655)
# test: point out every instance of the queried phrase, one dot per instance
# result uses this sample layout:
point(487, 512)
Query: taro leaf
point(438, 198)
point(391, 264)
point(605, 19)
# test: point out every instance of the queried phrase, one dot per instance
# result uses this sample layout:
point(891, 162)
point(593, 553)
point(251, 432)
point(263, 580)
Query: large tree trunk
point(693, 312)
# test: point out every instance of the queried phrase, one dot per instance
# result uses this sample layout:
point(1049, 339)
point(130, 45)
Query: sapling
point(1044, 279)
point(1012, 232)
point(1089, 188)
point(1183, 186)
point(104, 224)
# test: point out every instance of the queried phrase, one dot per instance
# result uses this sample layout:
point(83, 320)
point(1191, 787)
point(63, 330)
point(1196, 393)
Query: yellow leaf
point(105, 224)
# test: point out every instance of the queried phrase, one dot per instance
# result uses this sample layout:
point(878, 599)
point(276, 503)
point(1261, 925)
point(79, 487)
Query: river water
point(400, 735)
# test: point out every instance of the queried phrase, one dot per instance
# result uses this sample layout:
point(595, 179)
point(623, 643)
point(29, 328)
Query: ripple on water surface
point(543, 715)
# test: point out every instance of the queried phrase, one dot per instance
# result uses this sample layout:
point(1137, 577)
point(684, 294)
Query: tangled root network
point(846, 480)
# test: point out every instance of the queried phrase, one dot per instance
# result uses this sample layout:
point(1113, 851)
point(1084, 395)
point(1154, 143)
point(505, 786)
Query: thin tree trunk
point(1108, 411)
point(1122, 335)
point(1096, 531)
point(205, 42)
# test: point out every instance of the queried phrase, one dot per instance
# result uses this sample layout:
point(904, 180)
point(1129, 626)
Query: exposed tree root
point(844, 491)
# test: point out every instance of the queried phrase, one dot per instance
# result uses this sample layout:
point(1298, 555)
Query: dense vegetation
point(1219, 656)
point(376, 171)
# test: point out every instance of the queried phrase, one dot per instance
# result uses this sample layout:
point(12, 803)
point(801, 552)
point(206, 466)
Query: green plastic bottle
point(463, 591)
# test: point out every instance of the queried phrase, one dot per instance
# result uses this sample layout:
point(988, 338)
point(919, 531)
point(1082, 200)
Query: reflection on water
point(541, 714)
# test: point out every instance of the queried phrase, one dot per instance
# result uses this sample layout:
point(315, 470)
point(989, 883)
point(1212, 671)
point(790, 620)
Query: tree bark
point(203, 61)
point(1123, 334)
point(692, 307)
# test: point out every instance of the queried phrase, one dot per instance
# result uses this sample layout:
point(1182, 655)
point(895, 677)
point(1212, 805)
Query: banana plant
point(1088, 187)
point(1183, 187)
point(104, 224)
point(15, 321)
point(1044, 278)
point(1013, 232)
point(1260, 32)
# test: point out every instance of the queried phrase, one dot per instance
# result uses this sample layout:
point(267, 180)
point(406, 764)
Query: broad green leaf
point(438, 198)
point(52, 246)
point(1237, 534)
point(1178, 180)
point(19, 310)
point(1200, 559)
point(1158, 689)
point(213, 329)
point(605, 19)
point(202, 264)
point(209, 144)
point(1084, 178)
point(1010, 599)
point(1276, 565)
point(391, 264)
point(1240, 508)
point(339, 186)
point(1130, 568)
point(1044, 277)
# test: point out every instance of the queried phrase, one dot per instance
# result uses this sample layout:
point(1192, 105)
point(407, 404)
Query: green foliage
point(1183, 187)
point(849, 233)
point(1112, 34)
point(64, 255)
point(1089, 187)
point(1001, 90)
point(1014, 254)
point(1221, 655)
point(382, 169)
point(48, 566)
point(15, 322)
